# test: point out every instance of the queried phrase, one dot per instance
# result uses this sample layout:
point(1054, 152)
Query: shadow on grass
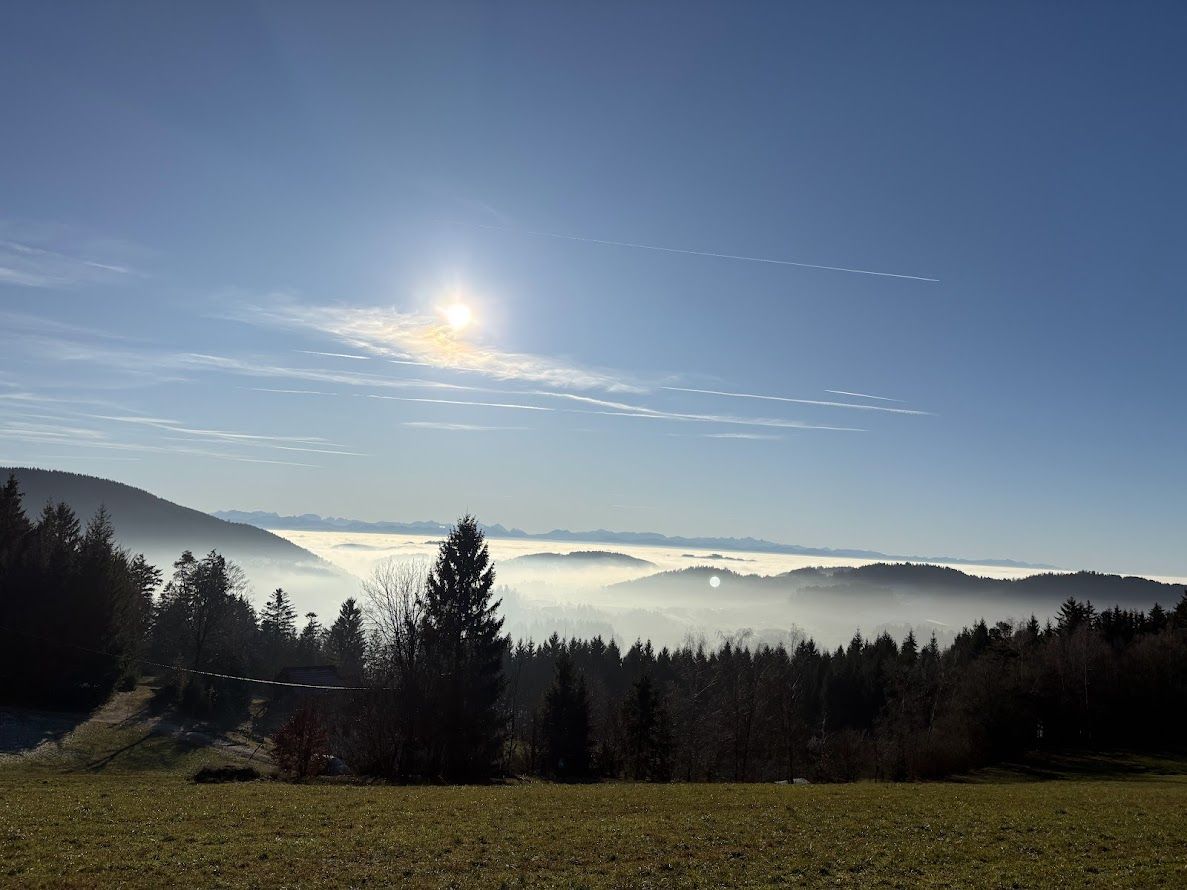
point(129, 750)
point(102, 762)
point(23, 729)
point(1072, 765)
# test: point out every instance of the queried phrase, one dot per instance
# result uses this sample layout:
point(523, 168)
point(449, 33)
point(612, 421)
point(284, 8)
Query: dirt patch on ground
point(28, 733)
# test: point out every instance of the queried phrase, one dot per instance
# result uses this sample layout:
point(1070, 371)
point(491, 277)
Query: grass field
point(112, 804)
point(157, 829)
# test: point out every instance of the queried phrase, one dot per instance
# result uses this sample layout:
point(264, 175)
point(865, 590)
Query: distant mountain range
point(314, 522)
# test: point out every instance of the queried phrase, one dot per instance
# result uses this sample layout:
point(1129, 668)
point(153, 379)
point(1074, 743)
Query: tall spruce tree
point(464, 649)
point(346, 642)
point(14, 525)
point(278, 631)
point(566, 724)
point(648, 732)
point(310, 643)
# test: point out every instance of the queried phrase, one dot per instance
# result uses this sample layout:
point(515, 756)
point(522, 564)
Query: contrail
point(706, 253)
point(459, 402)
point(860, 395)
point(747, 395)
point(335, 354)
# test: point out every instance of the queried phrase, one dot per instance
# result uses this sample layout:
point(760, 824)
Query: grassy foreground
point(158, 829)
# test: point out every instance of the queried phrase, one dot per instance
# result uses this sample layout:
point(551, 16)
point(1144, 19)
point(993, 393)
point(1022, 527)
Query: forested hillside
point(149, 524)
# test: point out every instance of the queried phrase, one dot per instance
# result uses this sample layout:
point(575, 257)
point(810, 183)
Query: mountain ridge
point(314, 522)
point(145, 522)
point(877, 580)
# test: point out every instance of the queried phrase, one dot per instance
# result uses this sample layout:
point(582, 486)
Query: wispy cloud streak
point(634, 245)
point(410, 338)
point(456, 427)
point(365, 358)
point(860, 395)
point(97, 440)
point(291, 392)
point(28, 265)
point(755, 436)
point(747, 395)
point(729, 420)
point(461, 402)
point(622, 409)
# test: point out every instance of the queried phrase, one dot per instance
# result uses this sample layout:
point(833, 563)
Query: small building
point(310, 676)
point(310, 683)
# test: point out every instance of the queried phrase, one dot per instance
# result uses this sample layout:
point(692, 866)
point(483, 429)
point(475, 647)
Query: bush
point(216, 699)
point(302, 744)
point(213, 774)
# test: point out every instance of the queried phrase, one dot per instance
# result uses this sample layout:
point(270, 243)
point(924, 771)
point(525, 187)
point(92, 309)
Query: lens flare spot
point(714, 582)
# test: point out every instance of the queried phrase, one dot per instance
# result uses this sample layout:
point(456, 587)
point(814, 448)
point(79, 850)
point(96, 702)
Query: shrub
point(302, 744)
point(212, 774)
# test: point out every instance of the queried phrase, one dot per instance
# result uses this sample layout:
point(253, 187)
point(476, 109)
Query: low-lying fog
point(581, 589)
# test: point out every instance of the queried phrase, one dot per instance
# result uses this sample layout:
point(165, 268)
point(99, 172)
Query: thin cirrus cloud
point(475, 404)
point(635, 245)
point(456, 427)
point(756, 436)
point(43, 435)
point(730, 420)
point(249, 368)
point(63, 345)
point(50, 341)
point(350, 355)
point(817, 402)
point(291, 392)
point(622, 409)
point(28, 265)
point(307, 444)
point(424, 339)
point(860, 395)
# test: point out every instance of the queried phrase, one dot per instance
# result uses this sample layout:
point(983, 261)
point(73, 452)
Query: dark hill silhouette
point(882, 580)
point(156, 527)
point(582, 559)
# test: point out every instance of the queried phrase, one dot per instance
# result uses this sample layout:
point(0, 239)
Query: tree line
point(579, 710)
point(447, 696)
point(80, 617)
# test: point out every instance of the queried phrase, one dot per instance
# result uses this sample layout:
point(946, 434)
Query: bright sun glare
point(458, 316)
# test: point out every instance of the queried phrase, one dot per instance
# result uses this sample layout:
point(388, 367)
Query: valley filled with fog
point(672, 595)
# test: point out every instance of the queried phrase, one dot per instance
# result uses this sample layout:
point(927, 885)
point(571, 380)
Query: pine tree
point(310, 643)
point(648, 732)
point(910, 650)
point(278, 631)
point(464, 649)
point(566, 724)
point(346, 643)
point(1033, 629)
point(14, 525)
point(1180, 613)
point(1158, 619)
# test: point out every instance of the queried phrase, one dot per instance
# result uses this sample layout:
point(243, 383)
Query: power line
point(174, 667)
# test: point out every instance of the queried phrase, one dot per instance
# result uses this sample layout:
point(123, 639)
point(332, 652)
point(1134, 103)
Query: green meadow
point(106, 827)
point(113, 803)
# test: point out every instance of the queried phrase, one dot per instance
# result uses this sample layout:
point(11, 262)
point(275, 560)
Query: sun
point(458, 315)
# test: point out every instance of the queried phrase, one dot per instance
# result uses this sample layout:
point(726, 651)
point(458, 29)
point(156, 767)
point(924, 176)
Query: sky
point(539, 261)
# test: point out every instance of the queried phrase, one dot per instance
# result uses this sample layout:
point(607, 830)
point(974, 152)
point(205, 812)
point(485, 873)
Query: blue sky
point(196, 203)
